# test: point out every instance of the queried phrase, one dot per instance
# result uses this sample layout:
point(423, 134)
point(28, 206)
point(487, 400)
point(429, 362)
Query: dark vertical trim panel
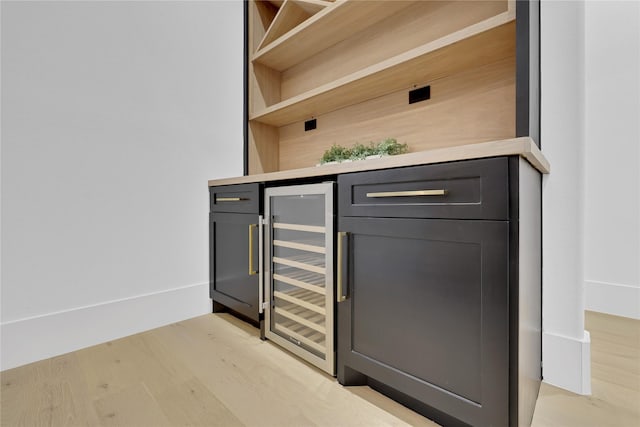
point(212, 258)
point(514, 286)
point(528, 69)
point(522, 68)
point(534, 71)
point(245, 91)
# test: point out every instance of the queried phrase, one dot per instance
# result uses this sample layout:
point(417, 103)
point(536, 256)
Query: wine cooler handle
point(343, 262)
point(251, 270)
point(260, 265)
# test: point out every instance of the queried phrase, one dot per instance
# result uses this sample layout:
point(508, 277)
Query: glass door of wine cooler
point(299, 271)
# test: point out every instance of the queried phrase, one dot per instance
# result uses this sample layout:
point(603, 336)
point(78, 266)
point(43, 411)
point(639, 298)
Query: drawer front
point(472, 189)
point(241, 198)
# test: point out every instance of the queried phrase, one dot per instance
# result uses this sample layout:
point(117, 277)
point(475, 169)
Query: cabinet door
point(426, 312)
point(234, 262)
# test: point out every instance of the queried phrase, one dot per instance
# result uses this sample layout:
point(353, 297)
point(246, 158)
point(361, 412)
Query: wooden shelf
point(299, 227)
point(310, 320)
point(335, 23)
point(482, 43)
point(312, 6)
point(301, 265)
point(303, 300)
point(299, 246)
point(318, 288)
point(291, 14)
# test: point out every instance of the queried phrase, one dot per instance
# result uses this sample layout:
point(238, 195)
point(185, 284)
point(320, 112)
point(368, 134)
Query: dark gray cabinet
point(438, 281)
point(429, 282)
point(234, 249)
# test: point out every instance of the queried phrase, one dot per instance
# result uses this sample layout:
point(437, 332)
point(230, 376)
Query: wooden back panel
point(474, 106)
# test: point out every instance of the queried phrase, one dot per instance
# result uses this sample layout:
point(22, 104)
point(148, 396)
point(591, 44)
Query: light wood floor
point(615, 380)
point(214, 370)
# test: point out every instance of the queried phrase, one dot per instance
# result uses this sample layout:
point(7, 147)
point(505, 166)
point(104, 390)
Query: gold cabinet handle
point(229, 199)
point(340, 297)
point(251, 270)
point(408, 193)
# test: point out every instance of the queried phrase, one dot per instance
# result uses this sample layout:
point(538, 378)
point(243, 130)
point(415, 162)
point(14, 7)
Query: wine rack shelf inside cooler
point(300, 315)
point(299, 286)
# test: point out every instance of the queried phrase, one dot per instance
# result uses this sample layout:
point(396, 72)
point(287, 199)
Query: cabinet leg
point(218, 308)
point(348, 376)
point(262, 326)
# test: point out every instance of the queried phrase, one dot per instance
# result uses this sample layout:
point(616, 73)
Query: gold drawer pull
point(408, 193)
point(229, 199)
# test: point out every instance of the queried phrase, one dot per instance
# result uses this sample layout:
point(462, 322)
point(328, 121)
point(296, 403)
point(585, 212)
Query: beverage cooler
point(298, 275)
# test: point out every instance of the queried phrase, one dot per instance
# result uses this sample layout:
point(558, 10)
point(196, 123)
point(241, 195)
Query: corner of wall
point(560, 368)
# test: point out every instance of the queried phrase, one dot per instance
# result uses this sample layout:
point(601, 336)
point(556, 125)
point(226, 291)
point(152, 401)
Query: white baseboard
point(612, 298)
point(40, 337)
point(567, 362)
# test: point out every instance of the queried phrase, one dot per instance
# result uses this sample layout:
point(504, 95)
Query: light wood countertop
point(523, 146)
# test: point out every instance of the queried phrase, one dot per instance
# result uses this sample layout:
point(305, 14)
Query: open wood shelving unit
point(349, 65)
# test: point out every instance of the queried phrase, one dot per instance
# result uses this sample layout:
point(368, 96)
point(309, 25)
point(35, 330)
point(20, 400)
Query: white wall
point(565, 343)
point(612, 208)
point(590, 59)
point(114, 116)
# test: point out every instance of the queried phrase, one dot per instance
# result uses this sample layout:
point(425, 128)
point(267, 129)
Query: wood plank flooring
point(615, 380)
point(213, 370)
